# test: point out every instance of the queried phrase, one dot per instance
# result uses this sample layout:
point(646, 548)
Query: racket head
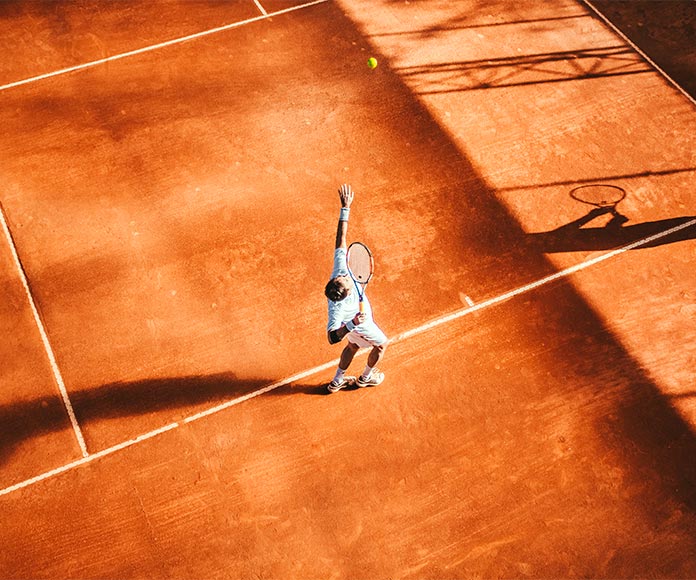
point(360, 262)
point(598, 194)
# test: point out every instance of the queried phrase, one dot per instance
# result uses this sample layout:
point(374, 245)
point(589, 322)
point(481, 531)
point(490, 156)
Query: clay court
point(169, 188)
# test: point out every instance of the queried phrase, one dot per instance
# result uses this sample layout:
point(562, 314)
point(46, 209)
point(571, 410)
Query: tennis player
point(345, 318)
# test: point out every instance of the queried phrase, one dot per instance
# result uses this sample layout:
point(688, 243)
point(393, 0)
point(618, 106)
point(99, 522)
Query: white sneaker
point(375, 378)
point(334, 387)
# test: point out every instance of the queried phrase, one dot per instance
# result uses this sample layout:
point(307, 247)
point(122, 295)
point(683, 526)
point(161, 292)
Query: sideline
point(635, 47)
point(44, 336)
point(304, 374)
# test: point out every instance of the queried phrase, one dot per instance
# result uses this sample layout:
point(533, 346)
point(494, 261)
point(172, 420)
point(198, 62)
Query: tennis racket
point(599, 195)
point(360, 267)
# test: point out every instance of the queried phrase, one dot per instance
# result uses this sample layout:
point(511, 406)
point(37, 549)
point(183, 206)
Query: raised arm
point(346, 194)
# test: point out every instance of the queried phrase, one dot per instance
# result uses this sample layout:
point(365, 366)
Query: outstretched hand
point(346, 194)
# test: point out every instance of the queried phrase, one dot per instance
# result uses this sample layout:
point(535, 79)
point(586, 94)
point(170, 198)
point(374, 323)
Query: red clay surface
point(175, 214)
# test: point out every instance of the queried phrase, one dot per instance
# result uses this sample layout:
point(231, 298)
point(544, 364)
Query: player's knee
point(353, 347)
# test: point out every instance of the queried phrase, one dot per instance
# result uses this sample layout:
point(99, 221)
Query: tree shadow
point(573, 237)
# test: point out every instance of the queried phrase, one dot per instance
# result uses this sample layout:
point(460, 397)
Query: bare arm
point(346, 194)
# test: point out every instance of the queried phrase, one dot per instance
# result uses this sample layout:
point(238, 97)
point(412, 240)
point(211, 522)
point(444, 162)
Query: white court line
point(639, 51)
point(157, 46)
point(403, 336)
point(276, 385)
point(261, 8)
point(88, 459)
point(44, 337)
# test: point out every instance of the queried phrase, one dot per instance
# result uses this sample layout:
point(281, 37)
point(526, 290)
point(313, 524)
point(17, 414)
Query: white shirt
point(346, 309)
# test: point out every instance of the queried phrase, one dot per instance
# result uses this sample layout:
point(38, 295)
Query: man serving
point(346, 320)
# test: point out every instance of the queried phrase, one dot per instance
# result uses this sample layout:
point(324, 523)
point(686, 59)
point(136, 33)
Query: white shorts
point(367, 334)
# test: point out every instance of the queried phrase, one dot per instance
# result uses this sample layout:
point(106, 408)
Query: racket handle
point(362, 306)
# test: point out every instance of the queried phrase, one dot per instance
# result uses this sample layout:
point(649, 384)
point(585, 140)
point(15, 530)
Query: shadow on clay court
point(602, 178)
point(573, 237)
point(628, 411)
point(533, 69)
point(668, 39)
point(33, 418)
point(466, 24)
point(23, 421)
point(660, 443)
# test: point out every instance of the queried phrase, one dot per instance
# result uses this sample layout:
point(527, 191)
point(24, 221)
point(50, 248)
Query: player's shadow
point(574, 237)
point(166, 399)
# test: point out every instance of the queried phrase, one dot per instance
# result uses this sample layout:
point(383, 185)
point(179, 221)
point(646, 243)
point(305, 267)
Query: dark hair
point(335, 291)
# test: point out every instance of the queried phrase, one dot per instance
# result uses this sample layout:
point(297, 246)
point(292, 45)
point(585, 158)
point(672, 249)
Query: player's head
point(337, 288)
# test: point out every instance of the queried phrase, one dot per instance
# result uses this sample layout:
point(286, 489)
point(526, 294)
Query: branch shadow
point(456, 25)
point(530, 69)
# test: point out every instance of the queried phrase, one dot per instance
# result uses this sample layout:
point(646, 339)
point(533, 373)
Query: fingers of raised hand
point(346, 192)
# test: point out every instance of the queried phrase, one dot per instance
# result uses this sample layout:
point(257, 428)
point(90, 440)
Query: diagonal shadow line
point(648, 173)
point(445, 28)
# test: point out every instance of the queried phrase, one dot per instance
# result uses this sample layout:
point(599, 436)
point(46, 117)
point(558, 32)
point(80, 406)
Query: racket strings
point(360, 263)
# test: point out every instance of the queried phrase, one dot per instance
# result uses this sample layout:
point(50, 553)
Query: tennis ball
point(372, 62)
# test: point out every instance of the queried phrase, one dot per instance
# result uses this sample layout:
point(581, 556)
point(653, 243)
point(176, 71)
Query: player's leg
point(340, 380)
point(376, 355)
point(371, 375)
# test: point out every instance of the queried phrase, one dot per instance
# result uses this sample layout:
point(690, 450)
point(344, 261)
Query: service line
point(401, 337)
point(158, 46)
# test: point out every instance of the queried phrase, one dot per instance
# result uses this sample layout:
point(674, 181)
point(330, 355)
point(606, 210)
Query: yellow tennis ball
point(372, 62)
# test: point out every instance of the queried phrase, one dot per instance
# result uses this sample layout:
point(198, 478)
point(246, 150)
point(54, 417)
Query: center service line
point(261, 8)
point(401, 337)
